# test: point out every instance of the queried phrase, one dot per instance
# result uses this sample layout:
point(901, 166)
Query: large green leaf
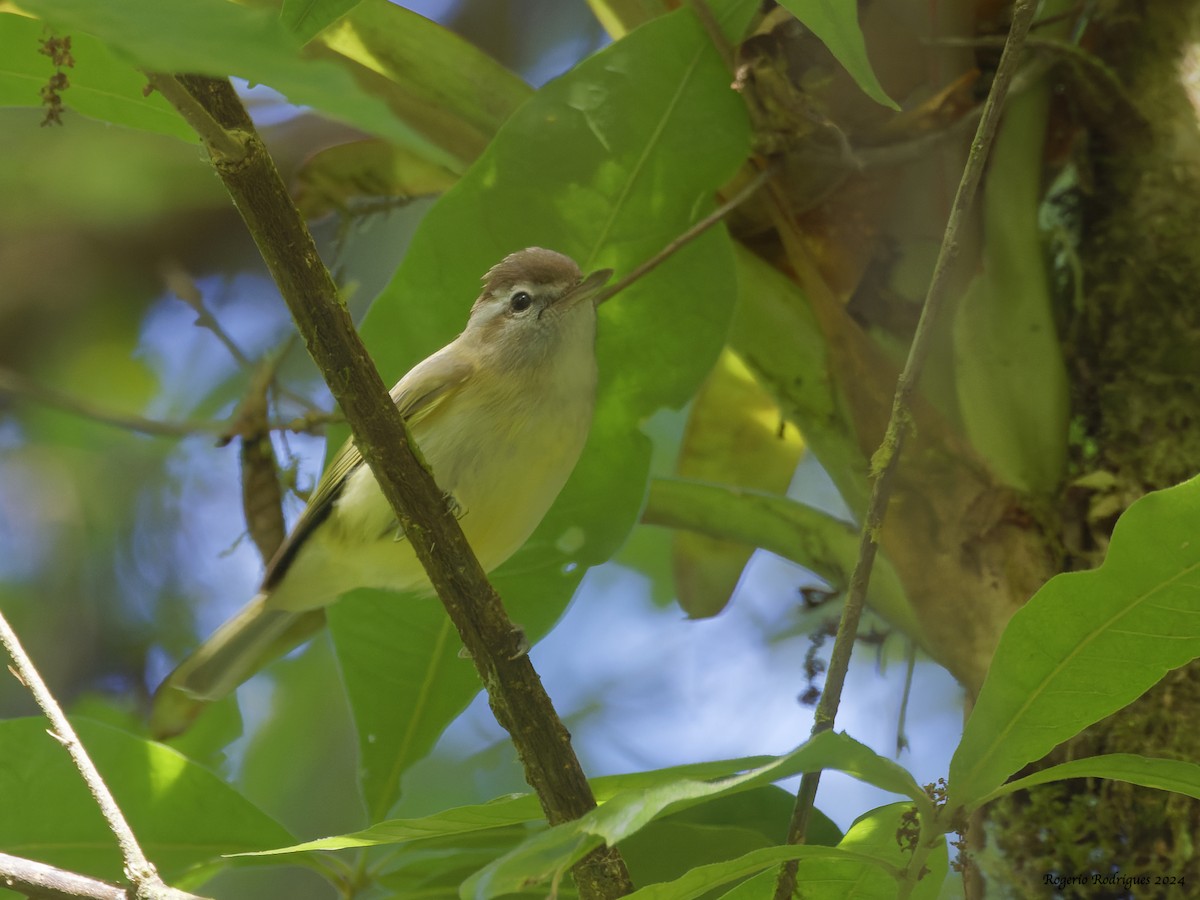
point(542, 856)
point(447, 89)
point(717, 831)
point(600, 164)
point(438, 852)
point(1009, 371)
point(500, 813)
point(866, 866)
point(513, 809)
point(835, 22)
point(102, 86)
point(701, 880)
point(875, 834)
point(1088, 643)
point(184, 816)
point(216, 37)
point(1176, 775)
point(775, 331)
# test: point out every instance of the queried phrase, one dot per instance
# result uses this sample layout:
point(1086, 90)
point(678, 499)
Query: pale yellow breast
point(502, 449)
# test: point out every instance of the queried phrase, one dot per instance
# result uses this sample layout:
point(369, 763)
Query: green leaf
point(702, 879)
point(866, 867)
point(333, 178)
point(1162, 774)
point(874, 834)
point(835, 22)
point(448, 90)
point(316, 789)
point(608, 786)
point(1088, 643)
point(776, 332)
point(599, 164)
point(719, 830)
point(405, 681)
point(306, 18)
point(542, 856)
point(434, 869)
point(500, 813)
point(219, 38)
point(184, 816)
point(102, 86)
point(733, 435)
point(1009, 370)
point(513, 809)
point(757, 887)
point(795, 531)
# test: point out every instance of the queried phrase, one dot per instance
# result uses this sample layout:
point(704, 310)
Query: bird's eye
point(520, 301)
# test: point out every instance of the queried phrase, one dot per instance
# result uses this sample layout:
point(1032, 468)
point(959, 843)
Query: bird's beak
point(588, 289)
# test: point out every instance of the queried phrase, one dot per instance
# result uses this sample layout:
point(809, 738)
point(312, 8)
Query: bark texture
point(1132, 339)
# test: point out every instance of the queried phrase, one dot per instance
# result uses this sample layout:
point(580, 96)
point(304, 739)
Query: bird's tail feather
point(233, 653)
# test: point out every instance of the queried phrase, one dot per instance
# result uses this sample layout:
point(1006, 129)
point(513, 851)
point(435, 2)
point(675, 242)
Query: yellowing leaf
point(735, 435)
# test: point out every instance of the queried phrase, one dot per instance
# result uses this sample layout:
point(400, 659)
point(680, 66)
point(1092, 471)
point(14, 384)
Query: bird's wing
point(426, 386)
point(429, 383)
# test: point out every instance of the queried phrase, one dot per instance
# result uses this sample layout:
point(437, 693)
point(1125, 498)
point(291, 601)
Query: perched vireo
point(500, 415)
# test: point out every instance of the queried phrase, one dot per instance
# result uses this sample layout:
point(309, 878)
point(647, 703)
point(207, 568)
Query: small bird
point(500, 415)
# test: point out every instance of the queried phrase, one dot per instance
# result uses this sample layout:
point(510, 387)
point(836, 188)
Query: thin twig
point(17, 385)
point(45, 882)
point(910, 667)
point(182, 286)
point(708, 20)
point(138, 869)
point(1067, 51)
point(221, 142)
point(743, 194)
point(887, 456)
point(35, 879)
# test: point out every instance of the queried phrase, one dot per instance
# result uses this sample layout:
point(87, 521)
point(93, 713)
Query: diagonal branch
point(886, 458)
point(45, 882)
point(138, 869)
point(515, 692)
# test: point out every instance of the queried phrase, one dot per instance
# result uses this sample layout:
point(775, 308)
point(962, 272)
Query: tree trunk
point(1133, 342)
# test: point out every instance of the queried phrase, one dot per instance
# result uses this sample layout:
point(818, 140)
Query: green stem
point(887, 457)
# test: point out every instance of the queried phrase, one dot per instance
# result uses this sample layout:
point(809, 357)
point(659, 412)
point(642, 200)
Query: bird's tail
point(233, 653)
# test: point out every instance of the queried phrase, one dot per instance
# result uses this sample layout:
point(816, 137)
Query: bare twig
point(45, 882)
point(182, 286)
point(887, 456)
point(138, 869)
point(35, 879)
point(18, 385)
